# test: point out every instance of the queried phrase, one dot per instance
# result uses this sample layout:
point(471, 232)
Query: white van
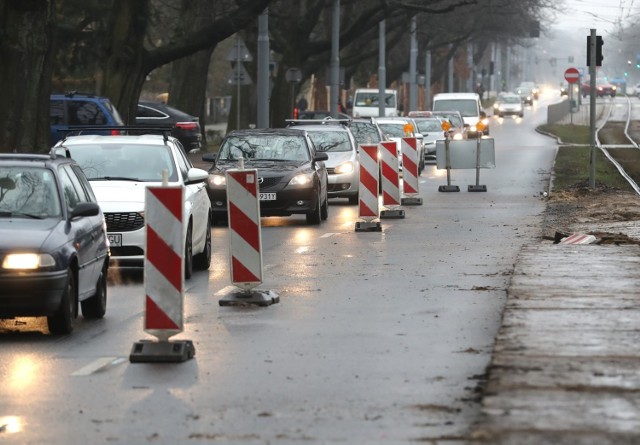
point(469, 106)
point(366, 104)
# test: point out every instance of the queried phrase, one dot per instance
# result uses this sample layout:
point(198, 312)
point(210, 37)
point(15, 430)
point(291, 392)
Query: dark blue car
point(79, 110)
point(54, 252)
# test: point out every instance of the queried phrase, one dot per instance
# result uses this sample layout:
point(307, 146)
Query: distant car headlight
point(345, 168)
point(614, 88)
point(217, 180)
point(27, 261)
point(301, 180)
point(457, 137)
point(485, 121)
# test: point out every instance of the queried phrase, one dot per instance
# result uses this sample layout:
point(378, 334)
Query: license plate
point(267, 196)
point(115, 239)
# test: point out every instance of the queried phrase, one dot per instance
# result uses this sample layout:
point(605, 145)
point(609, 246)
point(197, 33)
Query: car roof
point(39, 159)
point(143, 139)
point(265, 131)
point(456, 96)
point(393, 120)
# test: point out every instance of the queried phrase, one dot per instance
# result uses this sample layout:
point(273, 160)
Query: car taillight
point(116, 132)
point(187, 125)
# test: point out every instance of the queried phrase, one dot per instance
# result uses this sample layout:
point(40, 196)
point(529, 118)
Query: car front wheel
point(96, 306)
point(61, 322)
point(202, 261)
point(315, 216)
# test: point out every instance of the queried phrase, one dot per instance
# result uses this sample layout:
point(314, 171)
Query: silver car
point(336, 140)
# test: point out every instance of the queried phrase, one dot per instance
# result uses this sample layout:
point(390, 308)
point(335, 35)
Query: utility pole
point(335, 59)
point(382, 69)
point(413, 58)
point(263, 70)
point(592, 110)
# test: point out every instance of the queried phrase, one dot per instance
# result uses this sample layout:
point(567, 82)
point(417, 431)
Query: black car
point(291, 175)
point(185, 128)
point(54, 253)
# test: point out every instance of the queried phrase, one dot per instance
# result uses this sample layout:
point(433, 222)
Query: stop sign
point(572, 75)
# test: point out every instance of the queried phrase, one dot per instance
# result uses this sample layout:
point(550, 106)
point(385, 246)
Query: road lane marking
point(97, 365)
point(328, 234)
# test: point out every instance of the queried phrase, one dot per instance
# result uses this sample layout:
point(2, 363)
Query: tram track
point(620, 148)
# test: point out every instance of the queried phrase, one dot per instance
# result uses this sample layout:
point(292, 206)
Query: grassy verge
point(572, 164)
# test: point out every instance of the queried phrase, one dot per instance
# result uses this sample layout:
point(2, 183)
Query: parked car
point(54, 253)
point(526, 95)
point(292, 176)
point(509, 105)
point(603, 88)
point(79, 110)
point(120, 168)
point(336, 140)
point(185, 128)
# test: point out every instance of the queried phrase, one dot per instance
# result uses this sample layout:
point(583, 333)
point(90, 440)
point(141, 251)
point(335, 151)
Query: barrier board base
point(477, 188)
point(252, 297)
point(365, 226)
point(392, 213)
point(146, 351)
point(411, 201)
point(448, 188)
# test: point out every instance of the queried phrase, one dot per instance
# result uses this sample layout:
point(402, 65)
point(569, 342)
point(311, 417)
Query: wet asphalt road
point(378, 337)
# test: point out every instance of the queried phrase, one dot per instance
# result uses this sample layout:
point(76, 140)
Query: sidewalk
point(565, 368)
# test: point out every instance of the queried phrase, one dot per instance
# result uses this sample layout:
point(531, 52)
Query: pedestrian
point(302, 104)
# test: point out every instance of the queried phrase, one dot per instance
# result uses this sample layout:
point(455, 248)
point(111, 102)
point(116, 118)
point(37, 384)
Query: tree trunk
point(124, 71)
point(25, 52)
point(188, 87)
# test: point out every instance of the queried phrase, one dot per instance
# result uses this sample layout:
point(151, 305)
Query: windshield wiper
point(4, 214)
point(117, 178)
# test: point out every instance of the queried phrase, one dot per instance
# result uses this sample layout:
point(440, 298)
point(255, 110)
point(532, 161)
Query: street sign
point(239, 52)
point(572, 75)
point(239, 75)
point(293, 75)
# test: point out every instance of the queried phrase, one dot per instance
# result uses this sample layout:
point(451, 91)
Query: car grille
point(269, 182)
point(124, 222)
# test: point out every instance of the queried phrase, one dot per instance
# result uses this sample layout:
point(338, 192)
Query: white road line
point(328, 234)
point(96, 365)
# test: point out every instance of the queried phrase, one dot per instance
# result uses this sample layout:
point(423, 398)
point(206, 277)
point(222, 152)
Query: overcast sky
point(605, 16)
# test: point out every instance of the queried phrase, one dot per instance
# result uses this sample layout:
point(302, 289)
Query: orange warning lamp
point(480, 126)
point(408, 129)
point(446, 125)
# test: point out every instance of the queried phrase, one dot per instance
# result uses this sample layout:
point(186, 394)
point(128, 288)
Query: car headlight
point(217, 180)
point(301, 179)
point(27, 261)
point(345, 168)
point(485, 121)
point(614, 88)
point(457, 137)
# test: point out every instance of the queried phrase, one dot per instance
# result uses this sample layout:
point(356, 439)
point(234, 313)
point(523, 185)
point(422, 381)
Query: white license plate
point(115, 239)
point(267, 196)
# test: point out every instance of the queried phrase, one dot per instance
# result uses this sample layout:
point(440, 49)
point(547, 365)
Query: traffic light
point(599, 43)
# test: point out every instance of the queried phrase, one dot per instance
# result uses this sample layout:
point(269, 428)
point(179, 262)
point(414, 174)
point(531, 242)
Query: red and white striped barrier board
point(164, 261)
point(409, 165)
point(390, 174)
point(579, 238)
point(244, 222)
point(368, 190)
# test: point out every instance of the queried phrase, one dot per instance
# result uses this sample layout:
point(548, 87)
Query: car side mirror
point(85, 209)
point(320, 156)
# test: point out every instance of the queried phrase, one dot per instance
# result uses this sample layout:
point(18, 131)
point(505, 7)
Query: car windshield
point(264, 147)
point(331, 141)
point(429, 125)
point(28, 192)
point(394, 130)
point(511, 100)
point(124, 162)
point(371, 100)
point(466, 107)
point(365, 132)
point(454, 118)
